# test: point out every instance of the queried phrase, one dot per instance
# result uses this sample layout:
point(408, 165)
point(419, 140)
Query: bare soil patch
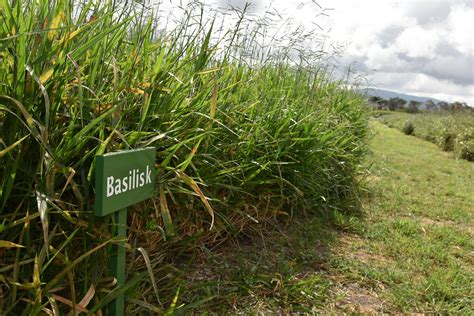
point(358, 299)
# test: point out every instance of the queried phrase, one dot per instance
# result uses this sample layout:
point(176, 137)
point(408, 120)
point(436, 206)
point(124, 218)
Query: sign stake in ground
point(122, 179)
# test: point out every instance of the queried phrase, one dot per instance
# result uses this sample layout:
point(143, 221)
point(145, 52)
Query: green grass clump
point(239, 139)
point(408, 128)
point(451, 131)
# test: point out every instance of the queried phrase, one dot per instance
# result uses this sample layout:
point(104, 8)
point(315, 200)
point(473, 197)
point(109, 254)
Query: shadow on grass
point(278, 267)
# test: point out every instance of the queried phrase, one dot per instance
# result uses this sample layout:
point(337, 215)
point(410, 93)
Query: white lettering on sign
point(134, 180)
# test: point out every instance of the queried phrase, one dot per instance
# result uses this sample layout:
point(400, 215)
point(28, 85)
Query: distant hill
point(387, 94)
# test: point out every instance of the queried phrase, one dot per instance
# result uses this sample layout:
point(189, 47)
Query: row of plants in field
point(451, 131)
point(244, 133)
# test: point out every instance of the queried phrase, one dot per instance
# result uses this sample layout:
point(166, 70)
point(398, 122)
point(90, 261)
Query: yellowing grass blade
point(36, 277)
point(135, 90)
point(174, 302)
point(9, 148)
point(46, 75)
point(9, 244)
point(189, 181)
point(188, 160)
point(69, 36)
point(165, 213)
point(208, 71)
point(55, 23)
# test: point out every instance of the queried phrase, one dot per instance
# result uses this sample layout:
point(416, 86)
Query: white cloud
point(460, 22)
point(417, 41)
point(421, 47)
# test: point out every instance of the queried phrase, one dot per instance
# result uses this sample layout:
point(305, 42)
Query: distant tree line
point(399, 104)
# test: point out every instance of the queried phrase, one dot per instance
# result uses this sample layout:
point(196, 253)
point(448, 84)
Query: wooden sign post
point(122, 179)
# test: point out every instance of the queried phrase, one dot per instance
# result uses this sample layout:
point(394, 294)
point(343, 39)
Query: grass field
point(416, 252)
point(451, 131)
point(409, 251)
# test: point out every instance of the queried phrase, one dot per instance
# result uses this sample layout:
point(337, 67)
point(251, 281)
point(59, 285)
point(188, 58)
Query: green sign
point(124, 178)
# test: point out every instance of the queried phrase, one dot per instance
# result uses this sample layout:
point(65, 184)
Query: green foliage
point(396, 103)
point(446, 140)
point(234, 142)
point(464, 146)
point(451, 131)
point(408, 128)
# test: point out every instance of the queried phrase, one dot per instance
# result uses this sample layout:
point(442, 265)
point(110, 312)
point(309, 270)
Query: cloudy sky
point(421, 47)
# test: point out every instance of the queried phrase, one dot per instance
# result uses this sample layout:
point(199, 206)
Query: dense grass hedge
point(237, 142)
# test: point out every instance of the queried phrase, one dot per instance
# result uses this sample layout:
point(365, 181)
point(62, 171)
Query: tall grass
point(243, 133)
